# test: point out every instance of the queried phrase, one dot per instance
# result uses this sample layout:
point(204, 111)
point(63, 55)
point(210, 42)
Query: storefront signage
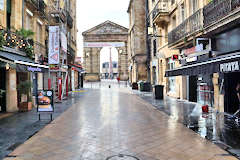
point(103, 44)
point(192, 59)
point(45, 101)
point(197, 48)
point(33, 69)
point(53, 67)
point(53, 54)
point(229, 67)
point(64, 42)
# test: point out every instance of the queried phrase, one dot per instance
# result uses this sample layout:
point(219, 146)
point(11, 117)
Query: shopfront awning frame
point(13, 58)
point(209, 66)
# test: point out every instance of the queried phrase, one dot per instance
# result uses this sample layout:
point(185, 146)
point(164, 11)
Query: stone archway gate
point(107, 34)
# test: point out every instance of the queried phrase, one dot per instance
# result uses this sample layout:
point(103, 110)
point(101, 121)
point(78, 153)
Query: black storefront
point(2, 87)
point(229, 76)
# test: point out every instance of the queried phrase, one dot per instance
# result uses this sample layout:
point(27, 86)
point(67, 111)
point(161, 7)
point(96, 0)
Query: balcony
point(39, 5)
point(191, 26)
point(218, 9)
point(69, 20)
point(56, 13)
point(160, 12)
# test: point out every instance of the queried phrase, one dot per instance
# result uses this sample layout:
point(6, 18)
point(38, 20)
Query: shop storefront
point(2, 87)
point(14, 69)
point(226, 68)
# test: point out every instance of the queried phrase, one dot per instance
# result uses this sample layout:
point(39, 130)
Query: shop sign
point(53, 53)
point(64, 42)
point(53, 67)
point(197, 48)
point(45, 101)
point(229, 67)
point(192, 59)
point(103, 44)
point(33, 69)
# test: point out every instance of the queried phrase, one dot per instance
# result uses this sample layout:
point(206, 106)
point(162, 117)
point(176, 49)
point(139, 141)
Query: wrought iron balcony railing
point(39, 5)
point(218, 9)
point(161, 7)
point(191, 25)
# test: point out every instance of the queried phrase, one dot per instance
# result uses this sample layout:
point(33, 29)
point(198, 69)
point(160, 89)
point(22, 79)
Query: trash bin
point(135, 86)
point(147, 87)
point(158, 91)
point(140, 86)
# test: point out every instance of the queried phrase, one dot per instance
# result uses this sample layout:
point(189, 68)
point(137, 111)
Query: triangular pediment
point(107, 27)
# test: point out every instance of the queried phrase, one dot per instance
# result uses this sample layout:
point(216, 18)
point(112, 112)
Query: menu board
point(45, 101)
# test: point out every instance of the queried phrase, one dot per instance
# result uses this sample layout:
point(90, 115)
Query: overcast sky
point(93, 12)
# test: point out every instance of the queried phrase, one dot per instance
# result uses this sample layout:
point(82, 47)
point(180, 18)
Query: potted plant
point(26, 44)
point(24, 90)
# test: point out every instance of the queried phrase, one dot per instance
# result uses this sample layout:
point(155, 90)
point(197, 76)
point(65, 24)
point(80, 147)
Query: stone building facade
point(195, 39)
point(16, 65)
point(137, 53)
point(107, 34)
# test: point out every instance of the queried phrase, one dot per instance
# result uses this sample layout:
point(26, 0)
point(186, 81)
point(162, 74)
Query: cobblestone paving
point(108, 122)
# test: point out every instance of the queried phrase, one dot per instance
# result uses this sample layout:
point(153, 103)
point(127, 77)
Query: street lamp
point(7, 67)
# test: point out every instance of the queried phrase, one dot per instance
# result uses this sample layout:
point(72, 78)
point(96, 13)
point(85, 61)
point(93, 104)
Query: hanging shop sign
point(53, 53)
point(45, 101)
point(63, 42)
point(229, 67)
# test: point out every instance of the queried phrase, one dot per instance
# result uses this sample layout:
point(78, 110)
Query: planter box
point(25, 106)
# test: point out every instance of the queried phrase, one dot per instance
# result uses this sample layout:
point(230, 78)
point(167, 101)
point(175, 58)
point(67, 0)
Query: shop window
point(205, 90)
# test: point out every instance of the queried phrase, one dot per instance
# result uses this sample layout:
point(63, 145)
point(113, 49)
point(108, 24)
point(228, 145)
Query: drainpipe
point(147, 42)
point(23, 8)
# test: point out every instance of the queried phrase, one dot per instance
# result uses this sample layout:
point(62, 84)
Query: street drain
point(122, 157)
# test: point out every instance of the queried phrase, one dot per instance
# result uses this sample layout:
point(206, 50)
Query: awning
point(226, 63)
point(23, 63)
point(77, 68)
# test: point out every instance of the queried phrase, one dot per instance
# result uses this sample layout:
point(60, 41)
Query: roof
point(104, 24)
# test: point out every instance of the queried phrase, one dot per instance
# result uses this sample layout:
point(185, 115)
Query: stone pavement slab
point(108, 122)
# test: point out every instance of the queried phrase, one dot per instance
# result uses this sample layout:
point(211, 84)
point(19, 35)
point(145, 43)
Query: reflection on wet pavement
point(108, 122)
point(220, 128)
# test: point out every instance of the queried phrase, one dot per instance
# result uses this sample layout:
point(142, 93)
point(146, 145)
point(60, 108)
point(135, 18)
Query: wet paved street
point(109, 122)
point(16, 128)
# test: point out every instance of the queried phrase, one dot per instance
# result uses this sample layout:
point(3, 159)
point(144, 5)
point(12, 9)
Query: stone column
point(11, 88)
